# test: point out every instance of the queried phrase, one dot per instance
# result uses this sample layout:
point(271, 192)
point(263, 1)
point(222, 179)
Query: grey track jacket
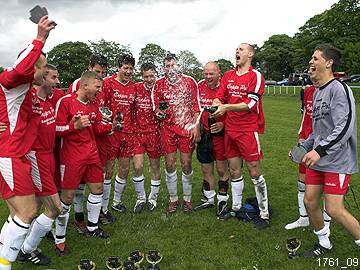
point(334, 135)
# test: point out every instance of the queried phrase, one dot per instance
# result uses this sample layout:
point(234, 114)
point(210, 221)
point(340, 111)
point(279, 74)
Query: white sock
point(155, 188)
point(119, 189)
point(3, 229)
point(237, 187)
point(323, 236)
point(357, 242)
point(187, 185)
point(222, 198)
point(138, 182)
point(171, 183)
point(326, 216)
point(301, 192)
point(61, 223)
point(78, 200)
point(210, 195)
point(261, 196)
point(106, 195)
point(41, 227)
point(93, 207)
point(14, 238)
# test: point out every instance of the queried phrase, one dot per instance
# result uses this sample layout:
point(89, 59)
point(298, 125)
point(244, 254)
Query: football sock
point(14, 238)
point(139, 187)
point(106, 195)
point(120, 185)
point(93, 208)
point(78, 202)
point(261, 196)
point(237, 186)
point(323, 236)
point(171, 183)
point(61, 223)
point(301, 193)
point(155, 188)
point(3, 229)
point(41, 227)
point(187, 185)
point(326, 216)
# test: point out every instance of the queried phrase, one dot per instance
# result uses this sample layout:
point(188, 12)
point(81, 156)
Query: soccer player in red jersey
point(304, 132)
point(120, 96)
point(43, 170)
point(16, 111)
point(179, 93)
point(147, 138)
point(240, 97)
point(77, 121)
point(211, 146)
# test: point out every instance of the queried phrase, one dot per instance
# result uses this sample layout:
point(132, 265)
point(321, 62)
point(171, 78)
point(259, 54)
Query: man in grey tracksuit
point(331, 149)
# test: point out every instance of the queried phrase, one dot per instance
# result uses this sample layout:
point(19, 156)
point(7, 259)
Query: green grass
point(201, 242)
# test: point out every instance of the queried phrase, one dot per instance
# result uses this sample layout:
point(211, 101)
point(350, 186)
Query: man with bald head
point(239, 97)
point(210, 148)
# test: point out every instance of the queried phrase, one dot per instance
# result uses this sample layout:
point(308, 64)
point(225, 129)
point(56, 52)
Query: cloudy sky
point(210, 28)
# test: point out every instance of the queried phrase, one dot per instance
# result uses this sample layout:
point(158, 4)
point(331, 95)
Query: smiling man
point(332, 149)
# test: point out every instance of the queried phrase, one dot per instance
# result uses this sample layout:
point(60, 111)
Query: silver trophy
point(297, 153)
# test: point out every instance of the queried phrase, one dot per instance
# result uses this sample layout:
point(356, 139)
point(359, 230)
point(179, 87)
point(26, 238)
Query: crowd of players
point(54, 144)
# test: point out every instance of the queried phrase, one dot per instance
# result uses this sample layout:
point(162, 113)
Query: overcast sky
point(211, 29)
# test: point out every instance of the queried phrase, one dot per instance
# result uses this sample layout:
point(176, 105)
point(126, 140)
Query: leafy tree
point(352, 56)
point(152, 53)
point(71, 59)
point(1, 69)
point(224, 65)
point(111, 50)
point(274, 57)
point(190, 64)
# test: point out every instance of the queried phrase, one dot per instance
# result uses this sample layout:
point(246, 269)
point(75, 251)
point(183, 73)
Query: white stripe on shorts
point(7, 171)
point(257, 142)
point(35, 172)
point(341, 179)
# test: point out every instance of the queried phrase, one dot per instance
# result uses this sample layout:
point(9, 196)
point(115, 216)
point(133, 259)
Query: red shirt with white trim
point(55, 96)
point(145, 118)
point(182, 98)
point(45, 140)
point(74, 86)
point(306, 122)
point(120, 97)
point(16, 103)
point(81, 142)
point(247, 88)
point(206, 97)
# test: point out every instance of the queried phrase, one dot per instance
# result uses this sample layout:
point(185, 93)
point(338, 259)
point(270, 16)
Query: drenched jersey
point(306, 122)
point(182, 99)
point(145, 118)
point(16, 103)
point(247, 88)
point(120, 98)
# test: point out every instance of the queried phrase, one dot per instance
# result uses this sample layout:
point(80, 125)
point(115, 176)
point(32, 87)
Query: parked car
point(341, 75)
point(352, 79)
point(298, 78)
point(270, 82)
point(283, 82)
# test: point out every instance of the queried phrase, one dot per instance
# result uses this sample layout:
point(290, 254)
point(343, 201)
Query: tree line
point(279, 56)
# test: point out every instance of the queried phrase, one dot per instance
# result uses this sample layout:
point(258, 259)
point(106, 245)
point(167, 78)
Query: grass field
point(201, 242)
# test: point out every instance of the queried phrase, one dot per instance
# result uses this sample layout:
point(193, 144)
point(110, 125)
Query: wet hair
point(98, 59)
point(51, 67)
point(329, 52)
point(126, 59)
point(89, 75)
point(147, 66)
point(170, 56)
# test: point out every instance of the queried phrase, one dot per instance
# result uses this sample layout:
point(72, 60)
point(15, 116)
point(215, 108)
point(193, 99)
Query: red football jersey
point(306, 122)
point(82, 142)
point(16, 103)
point(55, 96)
point(74, 86)
point(248, 88)
point(45, 140)
point(182, 98)
point(145, 118)
point(206, 97)
point(120, 97)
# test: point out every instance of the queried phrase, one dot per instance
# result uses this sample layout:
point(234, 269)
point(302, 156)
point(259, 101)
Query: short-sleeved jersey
point(182, 99)
point(306, 122)
point(247, 88)
point(145, 118)
point(120, 97)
